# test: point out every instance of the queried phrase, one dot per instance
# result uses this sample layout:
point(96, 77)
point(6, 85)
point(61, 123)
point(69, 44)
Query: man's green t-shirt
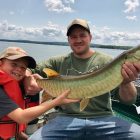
point(71, 65)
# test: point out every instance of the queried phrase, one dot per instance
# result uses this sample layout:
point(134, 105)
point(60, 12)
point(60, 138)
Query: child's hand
point(62, 98)
point(30, 84)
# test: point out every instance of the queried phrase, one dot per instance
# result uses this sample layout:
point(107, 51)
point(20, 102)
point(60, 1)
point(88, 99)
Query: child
point(14, 62)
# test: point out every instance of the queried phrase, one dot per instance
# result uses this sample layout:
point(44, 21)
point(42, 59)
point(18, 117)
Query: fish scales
point(83, 88)
point(92, 84)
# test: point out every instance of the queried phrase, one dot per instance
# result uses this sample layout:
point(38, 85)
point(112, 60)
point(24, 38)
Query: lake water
point(42, 52)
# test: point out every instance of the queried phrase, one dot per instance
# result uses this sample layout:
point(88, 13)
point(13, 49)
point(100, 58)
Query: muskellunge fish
point(92, 84)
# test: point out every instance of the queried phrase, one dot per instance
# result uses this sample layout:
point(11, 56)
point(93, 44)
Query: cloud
point(59, 5)
point(106, 36)
point(131, 18)
point(54, 32)
point(50, 32)
point(131, 6)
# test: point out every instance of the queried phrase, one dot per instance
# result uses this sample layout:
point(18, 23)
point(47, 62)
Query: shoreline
point(66, 44)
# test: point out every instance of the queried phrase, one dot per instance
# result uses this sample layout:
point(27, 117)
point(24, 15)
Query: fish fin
point(45, 96)
point(50, 72)
point(84, 103)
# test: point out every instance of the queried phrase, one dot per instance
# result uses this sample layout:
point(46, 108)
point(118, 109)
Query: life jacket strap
point(17, 128)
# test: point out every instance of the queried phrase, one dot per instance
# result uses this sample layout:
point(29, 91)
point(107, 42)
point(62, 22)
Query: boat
point(129, 112)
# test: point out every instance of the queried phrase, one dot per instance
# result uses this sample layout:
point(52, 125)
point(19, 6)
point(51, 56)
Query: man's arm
point(127, 91)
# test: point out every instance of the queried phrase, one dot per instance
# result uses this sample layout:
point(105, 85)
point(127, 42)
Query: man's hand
point(127, 91)
point(130, 71)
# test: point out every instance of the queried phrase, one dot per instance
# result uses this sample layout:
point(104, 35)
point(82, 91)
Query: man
point(97, 120)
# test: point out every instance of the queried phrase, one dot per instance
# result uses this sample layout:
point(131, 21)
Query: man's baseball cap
point(13, 53)
point(80, 22)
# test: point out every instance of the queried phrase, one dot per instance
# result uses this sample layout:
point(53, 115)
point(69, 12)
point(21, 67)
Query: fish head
point(50, 72)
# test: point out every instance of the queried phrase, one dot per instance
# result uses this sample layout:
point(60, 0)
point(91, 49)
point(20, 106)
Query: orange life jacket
point(12, 89)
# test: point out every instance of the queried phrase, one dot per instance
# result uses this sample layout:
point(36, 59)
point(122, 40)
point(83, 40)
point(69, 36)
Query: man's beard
point(82, 52)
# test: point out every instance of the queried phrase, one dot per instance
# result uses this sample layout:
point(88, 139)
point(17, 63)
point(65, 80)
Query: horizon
point(64, 43)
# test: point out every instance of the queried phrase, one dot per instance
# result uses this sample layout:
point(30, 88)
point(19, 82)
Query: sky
point(112, 22)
